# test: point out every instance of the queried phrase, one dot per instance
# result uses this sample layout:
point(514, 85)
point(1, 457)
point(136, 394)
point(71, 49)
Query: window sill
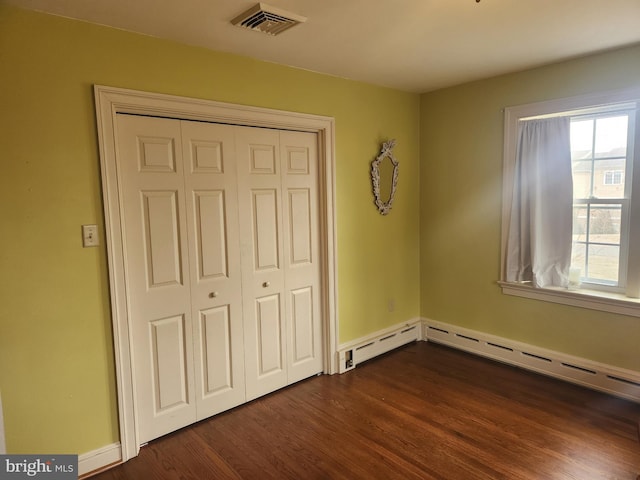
point(592, 299)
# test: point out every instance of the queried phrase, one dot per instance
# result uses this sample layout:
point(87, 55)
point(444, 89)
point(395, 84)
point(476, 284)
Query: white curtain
point(540, 230)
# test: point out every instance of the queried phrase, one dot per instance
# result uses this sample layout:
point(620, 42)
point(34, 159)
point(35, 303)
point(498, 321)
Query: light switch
point(90, 235)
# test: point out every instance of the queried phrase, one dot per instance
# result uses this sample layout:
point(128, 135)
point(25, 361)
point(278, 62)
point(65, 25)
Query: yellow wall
point(56, 366)
point(461, 188)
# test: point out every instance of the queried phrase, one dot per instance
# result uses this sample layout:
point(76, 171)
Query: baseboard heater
point(605, 378)
point(366, 349)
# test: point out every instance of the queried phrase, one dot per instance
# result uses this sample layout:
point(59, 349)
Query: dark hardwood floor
point(423, 411)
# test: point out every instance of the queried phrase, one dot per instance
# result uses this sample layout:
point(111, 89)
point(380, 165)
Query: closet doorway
point(201, 328)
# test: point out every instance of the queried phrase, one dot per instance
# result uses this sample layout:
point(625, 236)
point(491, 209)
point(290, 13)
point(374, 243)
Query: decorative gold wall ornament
point(385, 180)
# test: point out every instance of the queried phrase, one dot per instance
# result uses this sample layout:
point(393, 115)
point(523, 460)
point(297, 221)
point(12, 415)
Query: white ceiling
point(411, 45)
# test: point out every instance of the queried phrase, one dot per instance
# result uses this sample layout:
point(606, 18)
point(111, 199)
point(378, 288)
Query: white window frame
point(608, 301)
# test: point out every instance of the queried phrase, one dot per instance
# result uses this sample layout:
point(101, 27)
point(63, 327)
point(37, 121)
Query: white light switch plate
point(90, 235)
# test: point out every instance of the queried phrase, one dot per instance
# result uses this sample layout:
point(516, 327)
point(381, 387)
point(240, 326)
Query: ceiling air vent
point(267, 19)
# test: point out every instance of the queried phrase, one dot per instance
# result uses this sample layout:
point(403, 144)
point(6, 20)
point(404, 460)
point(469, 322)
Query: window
point(601, 151)
point(604, 232)
point(613, 177)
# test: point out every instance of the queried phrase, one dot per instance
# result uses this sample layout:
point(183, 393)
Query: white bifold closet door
point(280, 268)
point(221, 250)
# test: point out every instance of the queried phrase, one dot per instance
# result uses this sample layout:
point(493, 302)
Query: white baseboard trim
point(357, 351)
point(92, 463)
point(598, 376)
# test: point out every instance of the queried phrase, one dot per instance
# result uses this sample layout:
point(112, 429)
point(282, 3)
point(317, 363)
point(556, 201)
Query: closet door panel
point(157, 270)
point(269, 325)
point(301, 266)
point(265, 243)
point(260, 206)
point(302, 326)
point(217, 361)
point(211, 234)
point(216, 289)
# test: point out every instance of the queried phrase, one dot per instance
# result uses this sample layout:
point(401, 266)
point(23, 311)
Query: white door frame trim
point(109, 102)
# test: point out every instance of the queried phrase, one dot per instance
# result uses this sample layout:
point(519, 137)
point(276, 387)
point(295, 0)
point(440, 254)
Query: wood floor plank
point(424, 412)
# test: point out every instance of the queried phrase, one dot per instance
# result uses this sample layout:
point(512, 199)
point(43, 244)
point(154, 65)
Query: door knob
point(266, 284)
point(213, 294)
